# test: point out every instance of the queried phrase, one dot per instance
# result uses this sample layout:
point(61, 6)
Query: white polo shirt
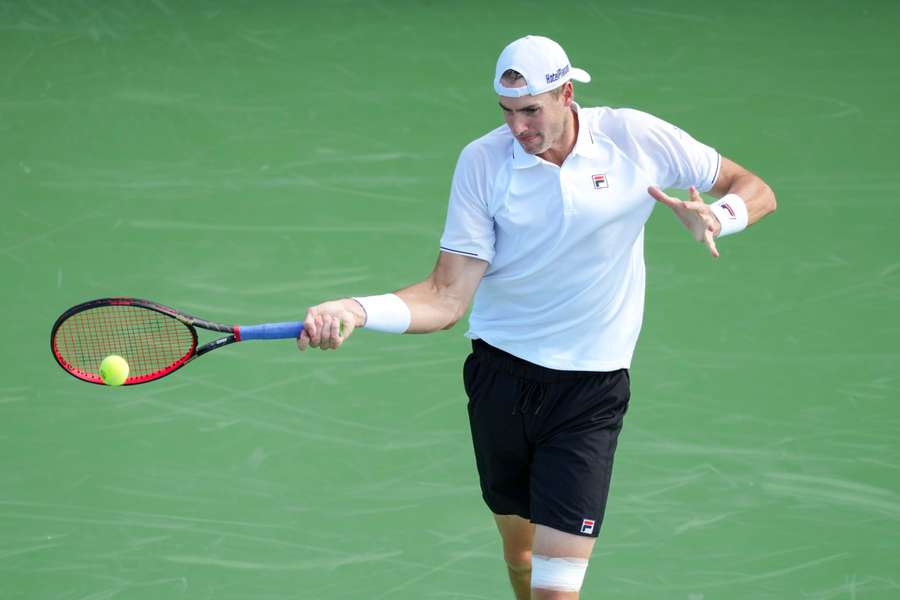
point(565, 285)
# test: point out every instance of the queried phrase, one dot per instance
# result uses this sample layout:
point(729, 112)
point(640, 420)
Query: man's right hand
point(328, 325)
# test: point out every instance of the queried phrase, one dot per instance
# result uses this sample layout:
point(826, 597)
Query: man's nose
point(518, 124)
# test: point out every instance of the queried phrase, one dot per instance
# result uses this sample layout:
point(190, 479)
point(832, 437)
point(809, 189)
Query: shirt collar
point(520, 158)
point(584, 145)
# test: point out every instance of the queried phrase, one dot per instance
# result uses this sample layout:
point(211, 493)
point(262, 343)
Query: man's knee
point(518, 537)
point(518, 561)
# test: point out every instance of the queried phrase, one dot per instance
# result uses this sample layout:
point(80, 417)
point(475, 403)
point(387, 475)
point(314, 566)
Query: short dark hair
point(512, 76)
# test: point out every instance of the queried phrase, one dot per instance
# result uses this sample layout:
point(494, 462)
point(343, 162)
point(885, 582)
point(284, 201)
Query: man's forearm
point(757, 195)
point(431, 308)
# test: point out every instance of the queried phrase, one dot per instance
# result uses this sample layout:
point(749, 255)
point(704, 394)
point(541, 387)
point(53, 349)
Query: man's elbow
point(451, 323)
point(764, 201)
point(772, 203)
point(455, 316)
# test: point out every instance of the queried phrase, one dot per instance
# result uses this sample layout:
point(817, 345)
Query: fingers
point(310, 326)
point(696, 202)
point(331, 336)
point(708, 219)
point(709, 239)
point(695, 195)
point(661, 196)
point(326, 327)
point(311, 336)
point(694, 213)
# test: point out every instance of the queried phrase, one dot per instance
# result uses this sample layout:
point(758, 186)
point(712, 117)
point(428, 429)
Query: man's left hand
point(695, 214)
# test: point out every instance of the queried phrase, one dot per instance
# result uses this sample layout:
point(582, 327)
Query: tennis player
point(545, 229)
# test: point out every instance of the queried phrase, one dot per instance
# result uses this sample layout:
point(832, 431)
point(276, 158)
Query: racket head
point(154, 339)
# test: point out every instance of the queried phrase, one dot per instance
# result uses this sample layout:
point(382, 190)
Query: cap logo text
point(561, 72)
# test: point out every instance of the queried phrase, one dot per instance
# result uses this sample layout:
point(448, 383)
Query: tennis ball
point(114, 370)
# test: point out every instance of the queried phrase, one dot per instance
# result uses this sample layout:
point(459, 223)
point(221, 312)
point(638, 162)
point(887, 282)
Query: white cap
point(541, 61)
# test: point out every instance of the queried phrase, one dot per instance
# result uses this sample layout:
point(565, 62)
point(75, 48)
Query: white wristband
point(731, 212)
point(387, 313)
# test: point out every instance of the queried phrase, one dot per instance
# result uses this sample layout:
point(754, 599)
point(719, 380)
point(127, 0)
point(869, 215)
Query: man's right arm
point(443, 297)
point(435, 303)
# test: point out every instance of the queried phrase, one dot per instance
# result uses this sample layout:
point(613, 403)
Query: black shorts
point(544, 439)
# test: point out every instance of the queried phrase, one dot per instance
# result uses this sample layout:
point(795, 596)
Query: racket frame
point(189, 321)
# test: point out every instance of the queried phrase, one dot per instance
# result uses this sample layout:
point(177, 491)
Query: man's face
point(537, 122)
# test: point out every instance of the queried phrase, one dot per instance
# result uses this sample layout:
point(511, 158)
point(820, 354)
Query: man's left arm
point(756, 193)
point(744, 199)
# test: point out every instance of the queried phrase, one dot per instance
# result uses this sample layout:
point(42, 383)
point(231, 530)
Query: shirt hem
point(598, 366)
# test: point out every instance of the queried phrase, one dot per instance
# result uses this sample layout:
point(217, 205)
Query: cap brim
point(579, 75)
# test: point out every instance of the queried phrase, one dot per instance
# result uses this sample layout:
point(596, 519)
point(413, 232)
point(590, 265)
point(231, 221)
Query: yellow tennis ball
point(114, 370)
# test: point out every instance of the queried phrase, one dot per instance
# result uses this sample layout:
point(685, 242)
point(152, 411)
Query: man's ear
point(568, 93)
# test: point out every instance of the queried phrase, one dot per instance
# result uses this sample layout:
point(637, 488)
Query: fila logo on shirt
point(587, 526)
point(600, 181)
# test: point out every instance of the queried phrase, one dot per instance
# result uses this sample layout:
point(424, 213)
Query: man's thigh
point(518, 538)
point(502, 450)
point(554, 543)
point(572, 463)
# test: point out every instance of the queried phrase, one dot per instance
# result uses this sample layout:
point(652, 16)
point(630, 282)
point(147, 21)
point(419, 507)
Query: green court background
point(244, 160)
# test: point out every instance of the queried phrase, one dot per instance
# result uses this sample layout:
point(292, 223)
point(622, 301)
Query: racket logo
point(600, 181)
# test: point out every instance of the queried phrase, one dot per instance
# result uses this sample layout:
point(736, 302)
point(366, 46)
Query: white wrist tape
point(387, 313)
point(562, 574)
point(731, 212)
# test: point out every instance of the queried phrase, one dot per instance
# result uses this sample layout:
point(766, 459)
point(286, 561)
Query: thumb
point(303, 341)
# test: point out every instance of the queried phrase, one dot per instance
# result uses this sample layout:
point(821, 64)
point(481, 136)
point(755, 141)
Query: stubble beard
point(535, 145)
point(542, 141)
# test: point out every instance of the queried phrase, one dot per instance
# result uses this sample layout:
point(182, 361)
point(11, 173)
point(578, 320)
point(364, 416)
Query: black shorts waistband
point(519, 367)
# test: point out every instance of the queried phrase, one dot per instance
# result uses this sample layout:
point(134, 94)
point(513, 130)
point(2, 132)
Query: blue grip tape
point(272, 331)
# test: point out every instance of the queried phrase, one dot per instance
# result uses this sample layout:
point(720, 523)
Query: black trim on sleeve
point(718, 168)
point(459, 252)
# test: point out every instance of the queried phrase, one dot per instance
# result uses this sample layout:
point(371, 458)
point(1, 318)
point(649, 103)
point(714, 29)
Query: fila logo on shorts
point(600, 181)
point(587, 526)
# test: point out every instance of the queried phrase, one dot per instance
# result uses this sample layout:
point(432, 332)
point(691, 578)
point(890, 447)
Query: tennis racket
point(155, 340)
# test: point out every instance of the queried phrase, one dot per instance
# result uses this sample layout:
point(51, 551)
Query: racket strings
point(149, 341)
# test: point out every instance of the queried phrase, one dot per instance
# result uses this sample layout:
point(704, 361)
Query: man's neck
point(557, 153)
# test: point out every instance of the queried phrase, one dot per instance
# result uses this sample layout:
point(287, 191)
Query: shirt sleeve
point(469, 229)
point(680, 160)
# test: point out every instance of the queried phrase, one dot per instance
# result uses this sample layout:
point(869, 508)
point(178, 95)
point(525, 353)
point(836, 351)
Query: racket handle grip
point(270, 331)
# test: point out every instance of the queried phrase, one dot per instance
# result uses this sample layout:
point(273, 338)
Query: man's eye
point(530, 111)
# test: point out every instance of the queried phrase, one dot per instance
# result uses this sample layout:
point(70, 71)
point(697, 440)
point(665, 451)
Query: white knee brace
point(563, 574)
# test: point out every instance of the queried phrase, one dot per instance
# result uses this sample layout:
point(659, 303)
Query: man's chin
point(534, 147)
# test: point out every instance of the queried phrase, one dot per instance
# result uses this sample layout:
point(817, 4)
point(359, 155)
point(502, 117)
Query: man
point(546, 221)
